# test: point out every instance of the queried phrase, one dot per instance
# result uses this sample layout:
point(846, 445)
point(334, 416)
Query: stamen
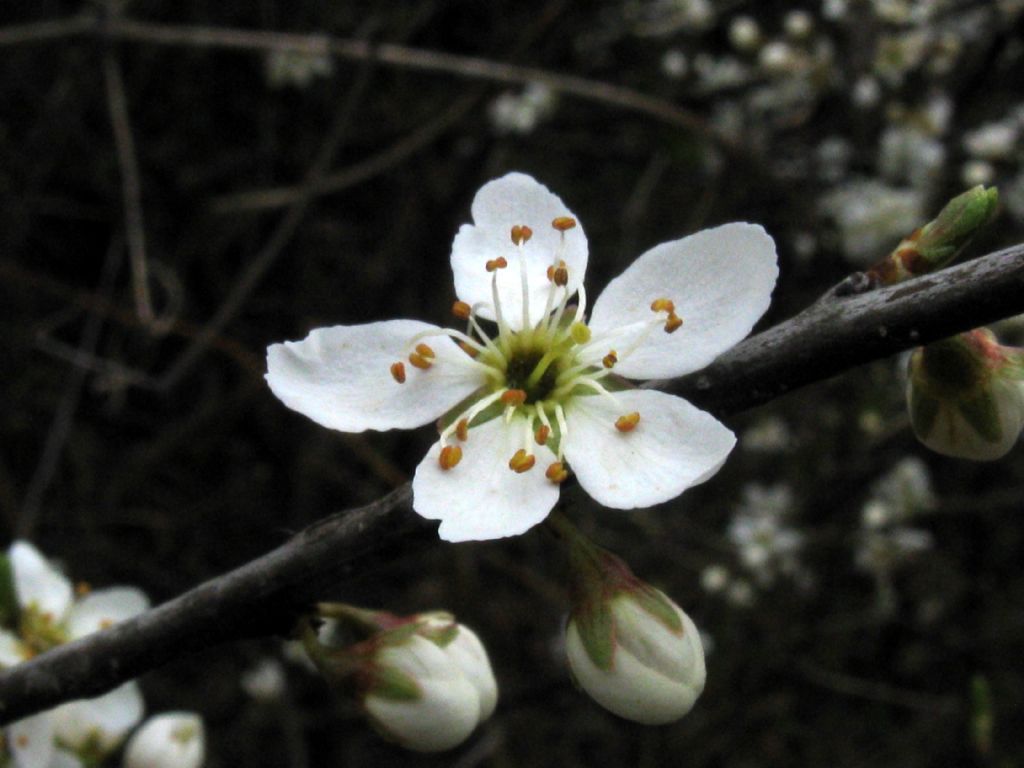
point(563, 428)
point(542, 434)
point(580, 333)
point(674, 323)
point(564, 223)
point(494, 264)
point(425, 351)
point(559, 275)
point(628, 422)
point(521, 234)
point(462, 429)
point(398, 372)
point(522, 461)
point(470, 413)
point(663, 305)
point(471, 351)
point(513, 397)
point(610, 359)
point(450, 456)
point(557, 473)
point(462, 310)
point(419, 361)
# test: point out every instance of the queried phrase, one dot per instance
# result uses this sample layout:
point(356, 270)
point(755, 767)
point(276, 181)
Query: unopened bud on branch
point(966, 396)
point(941, 240)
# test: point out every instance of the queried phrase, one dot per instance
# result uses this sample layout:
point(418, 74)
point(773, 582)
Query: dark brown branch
point(263, 596)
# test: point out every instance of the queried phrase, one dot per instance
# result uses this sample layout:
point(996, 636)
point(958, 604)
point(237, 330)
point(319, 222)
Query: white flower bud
point(168, 740)
point(744, 34)
point(419, 696)
point(468, 653)
point(656, 670)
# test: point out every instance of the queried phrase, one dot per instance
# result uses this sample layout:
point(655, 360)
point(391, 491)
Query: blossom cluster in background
point(42, 609)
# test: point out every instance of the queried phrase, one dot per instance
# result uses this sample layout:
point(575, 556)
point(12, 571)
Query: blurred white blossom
point(872, 217)
point(522, 112)
point(296, 68)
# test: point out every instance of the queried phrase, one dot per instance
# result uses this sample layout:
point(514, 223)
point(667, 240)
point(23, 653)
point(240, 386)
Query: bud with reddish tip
point(941, 240)
point(424, 681)
point(630, 647)
point(965, 395)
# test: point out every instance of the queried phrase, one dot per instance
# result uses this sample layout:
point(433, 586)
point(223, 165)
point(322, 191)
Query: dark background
point(132, 459)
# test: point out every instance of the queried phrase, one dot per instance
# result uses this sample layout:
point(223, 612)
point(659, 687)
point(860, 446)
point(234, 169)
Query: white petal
point(721, 282)
point(107, 719)
point(340, 377)
point(31, 741)
point(674, 447)
point(481, 498)
point(498, 206)
point(11, 650)
point(471, 657)
point(102, 608)
point(38, 583)
point(167, 740)
point(62, 759)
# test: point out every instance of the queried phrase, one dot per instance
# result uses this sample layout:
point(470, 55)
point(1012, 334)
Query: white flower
point(539, 395)
point(655, 670)
point(167, 740)
point(422, 700)
point(49, 615)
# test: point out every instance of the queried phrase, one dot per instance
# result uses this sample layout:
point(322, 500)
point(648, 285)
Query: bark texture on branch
point(264, 596)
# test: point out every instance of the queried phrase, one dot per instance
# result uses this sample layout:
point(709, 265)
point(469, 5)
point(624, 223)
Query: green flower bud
point(941, 240)
point(965, 395)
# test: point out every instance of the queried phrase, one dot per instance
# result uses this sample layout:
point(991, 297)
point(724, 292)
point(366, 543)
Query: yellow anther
point(674, 323)
point(610, 359)
point(106, 623)
point(542, 434)
point(580, 333)
point(513, 397)
point(425, 351)
point(663, 305)
point(521, 234)
point(83, 588)
point(462, 430)
point(522, 461)
point(498, 263)
point(398, 372)
point(462, 310)
point(419, 361)
point(557, 473)
point(564, 223)
point(450, 456)
point(628, 422)
point(471, 351)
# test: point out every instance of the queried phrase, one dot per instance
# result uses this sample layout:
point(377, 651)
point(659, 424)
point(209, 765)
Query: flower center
point(532, 373)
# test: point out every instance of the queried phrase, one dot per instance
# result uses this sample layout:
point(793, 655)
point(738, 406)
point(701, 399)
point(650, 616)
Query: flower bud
point(941, 240)
point(629, 646)
point(424, 681)
point(168, 740)
point(464, 647)
point(416, 695)
point(965, 395)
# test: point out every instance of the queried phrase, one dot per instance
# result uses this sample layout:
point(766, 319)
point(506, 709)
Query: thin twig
point(63, 417)
point(280, 237)
point(275, 197)
point(264, 596)
point(131, 186)
point(41, 31)
point(416, 58)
